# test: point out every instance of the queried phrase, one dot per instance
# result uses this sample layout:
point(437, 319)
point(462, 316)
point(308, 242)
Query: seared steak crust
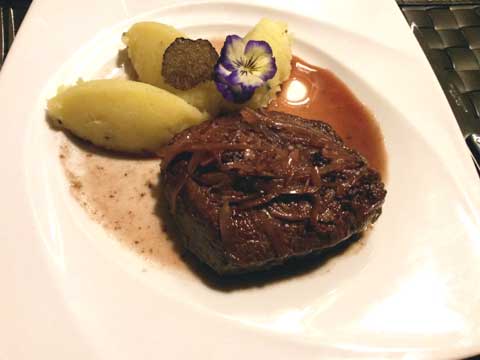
point(250, 190)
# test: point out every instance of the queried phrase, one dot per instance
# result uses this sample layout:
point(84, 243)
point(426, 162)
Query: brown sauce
point(121, 193)
point(315, 93)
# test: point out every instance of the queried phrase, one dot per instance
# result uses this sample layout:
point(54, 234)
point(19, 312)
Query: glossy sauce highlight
point(316, 93)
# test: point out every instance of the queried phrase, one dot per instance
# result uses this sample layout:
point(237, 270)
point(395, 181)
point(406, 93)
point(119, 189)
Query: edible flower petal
point(243, 67)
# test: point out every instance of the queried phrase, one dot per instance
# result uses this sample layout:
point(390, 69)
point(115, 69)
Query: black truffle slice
point(187, 63)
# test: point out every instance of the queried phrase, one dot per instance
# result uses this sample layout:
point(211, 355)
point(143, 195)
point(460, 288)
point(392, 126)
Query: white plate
point(70, 291)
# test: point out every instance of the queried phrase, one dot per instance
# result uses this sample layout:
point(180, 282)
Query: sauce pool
point(315, 93)
point(122, 193)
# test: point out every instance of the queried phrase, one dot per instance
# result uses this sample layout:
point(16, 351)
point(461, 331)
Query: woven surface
point(450, 37)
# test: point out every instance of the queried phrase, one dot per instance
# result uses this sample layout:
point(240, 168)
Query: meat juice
point(121, 193)
point(315, 93)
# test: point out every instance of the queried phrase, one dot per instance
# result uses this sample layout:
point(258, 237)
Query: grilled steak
point(250, 190)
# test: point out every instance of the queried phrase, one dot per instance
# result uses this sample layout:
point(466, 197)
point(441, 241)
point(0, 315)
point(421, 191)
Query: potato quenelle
point(122, 115)
point(131, 116)
point(147, 42)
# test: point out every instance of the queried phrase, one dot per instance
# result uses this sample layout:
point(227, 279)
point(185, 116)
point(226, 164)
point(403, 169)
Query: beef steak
point(250, 190)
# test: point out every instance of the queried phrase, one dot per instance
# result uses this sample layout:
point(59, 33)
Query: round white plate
point(72, 291)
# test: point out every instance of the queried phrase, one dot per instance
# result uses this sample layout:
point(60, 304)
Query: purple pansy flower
point(242, 68)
